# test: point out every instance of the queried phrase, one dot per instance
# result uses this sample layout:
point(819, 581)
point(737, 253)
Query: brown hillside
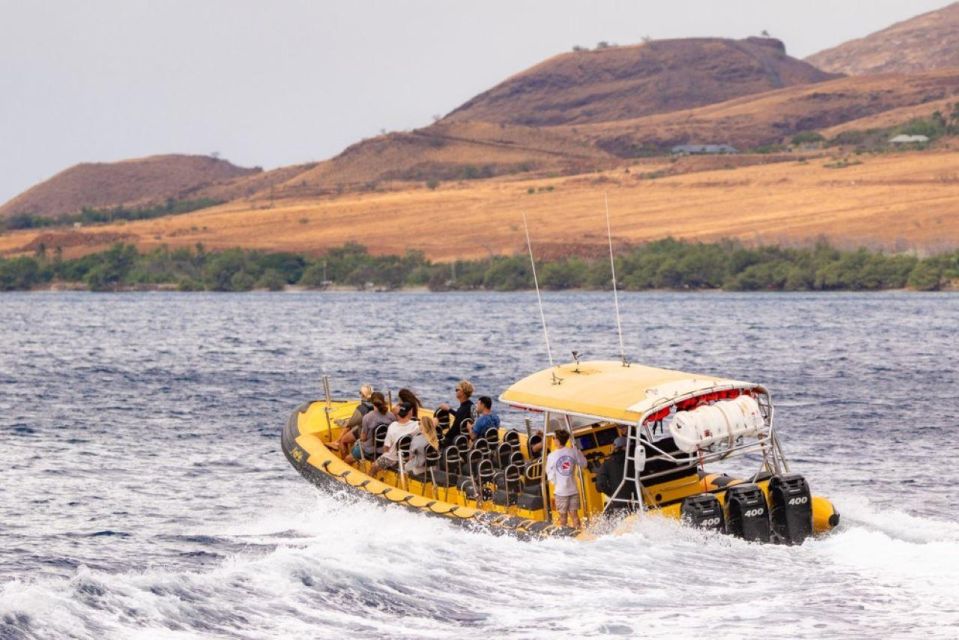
point(139, 182)
point(446, 151)
point(774, 116)
point(620, 83)
point(896, 201)
point(926, 42)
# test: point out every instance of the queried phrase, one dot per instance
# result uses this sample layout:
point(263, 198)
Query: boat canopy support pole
point(544, 486)
point(329, 402)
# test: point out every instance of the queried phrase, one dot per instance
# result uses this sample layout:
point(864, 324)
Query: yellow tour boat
point(692, 447)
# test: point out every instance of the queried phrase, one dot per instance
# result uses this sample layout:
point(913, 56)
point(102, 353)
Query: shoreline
point(66, 287)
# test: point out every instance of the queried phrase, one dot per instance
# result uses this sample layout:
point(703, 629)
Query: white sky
point(288, 81)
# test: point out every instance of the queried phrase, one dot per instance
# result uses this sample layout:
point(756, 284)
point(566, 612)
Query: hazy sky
point(288, 81)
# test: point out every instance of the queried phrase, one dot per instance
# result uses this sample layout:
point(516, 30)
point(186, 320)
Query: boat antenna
point(539, 297)
point(612, 267)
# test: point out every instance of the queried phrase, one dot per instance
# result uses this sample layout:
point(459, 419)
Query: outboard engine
point(747, 515)
point(703, 511)
point(790, 505)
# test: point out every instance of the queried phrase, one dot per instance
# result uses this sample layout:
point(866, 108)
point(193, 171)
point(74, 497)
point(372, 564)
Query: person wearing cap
point(404, 425)
point(610, 477)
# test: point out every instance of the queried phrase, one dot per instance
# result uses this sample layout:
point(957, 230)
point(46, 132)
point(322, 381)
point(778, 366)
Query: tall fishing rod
point(612, 267)
point(539, 297)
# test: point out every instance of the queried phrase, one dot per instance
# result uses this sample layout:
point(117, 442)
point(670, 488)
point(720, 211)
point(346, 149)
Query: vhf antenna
point(612, 266)
point(539, 297)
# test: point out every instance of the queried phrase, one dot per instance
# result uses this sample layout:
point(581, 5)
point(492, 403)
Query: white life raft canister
point(724, 420)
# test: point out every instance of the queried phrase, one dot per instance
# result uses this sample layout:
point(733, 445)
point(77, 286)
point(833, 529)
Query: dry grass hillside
point(567, 122)
point(131, 183)
point(894, 201)
point(774, 116)
point(619, 83)
point(926, 42)
point(454, 149)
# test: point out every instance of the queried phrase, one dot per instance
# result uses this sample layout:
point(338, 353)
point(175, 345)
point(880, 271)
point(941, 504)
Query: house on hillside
point(699, 149)
point(902, 138)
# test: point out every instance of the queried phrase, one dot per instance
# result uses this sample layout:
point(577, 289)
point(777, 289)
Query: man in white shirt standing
point(404, 425)
point(561, 471)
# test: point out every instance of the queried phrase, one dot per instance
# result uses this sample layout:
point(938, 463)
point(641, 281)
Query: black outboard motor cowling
point(703, 511)
point(747, 515)
point(790, 505)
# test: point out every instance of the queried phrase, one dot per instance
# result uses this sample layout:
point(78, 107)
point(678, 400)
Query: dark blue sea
point(143, 493)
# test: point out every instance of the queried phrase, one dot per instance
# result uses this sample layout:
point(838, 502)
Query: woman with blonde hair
point(422, 441)
point(464, 413)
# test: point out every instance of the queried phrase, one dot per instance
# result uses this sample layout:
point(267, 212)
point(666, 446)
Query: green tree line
point(664, 264)
point(89, 215)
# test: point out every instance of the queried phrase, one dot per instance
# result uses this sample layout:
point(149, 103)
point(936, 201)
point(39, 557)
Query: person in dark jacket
point(610, 476)
point(464, 389)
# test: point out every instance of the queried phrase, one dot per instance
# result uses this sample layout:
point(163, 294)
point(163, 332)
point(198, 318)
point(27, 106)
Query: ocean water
point(143, 493)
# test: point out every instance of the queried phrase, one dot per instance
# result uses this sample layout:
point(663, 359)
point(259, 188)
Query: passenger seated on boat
point(422, 441)
point(379, 415)
point(466, 411)
point(403, 425)
point(352, 425)
point(610, 477)
point(561, 471)
point(487, 419)
point(405, 395)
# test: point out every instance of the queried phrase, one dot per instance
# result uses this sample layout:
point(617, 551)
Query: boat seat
point(492, 438)
point(379, 437)
point(528, 501)
point(465, 486)
point(444, 419)
point(444, 479)
point(504, 452)
point(535, 439)
point(509, 486)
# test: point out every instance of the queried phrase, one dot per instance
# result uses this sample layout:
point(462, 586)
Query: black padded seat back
point(512, 436)
point(485, 473)
point(513, 478)
point(452, 459)
point(535, 439)
point(433, 456)
point(503, 452)
point(466, 426)
point(492, 437)
point(473, 460)
point(462, 443)
point(444, 418)
point(379, 437)
point(517, 458)
point(403, 449)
